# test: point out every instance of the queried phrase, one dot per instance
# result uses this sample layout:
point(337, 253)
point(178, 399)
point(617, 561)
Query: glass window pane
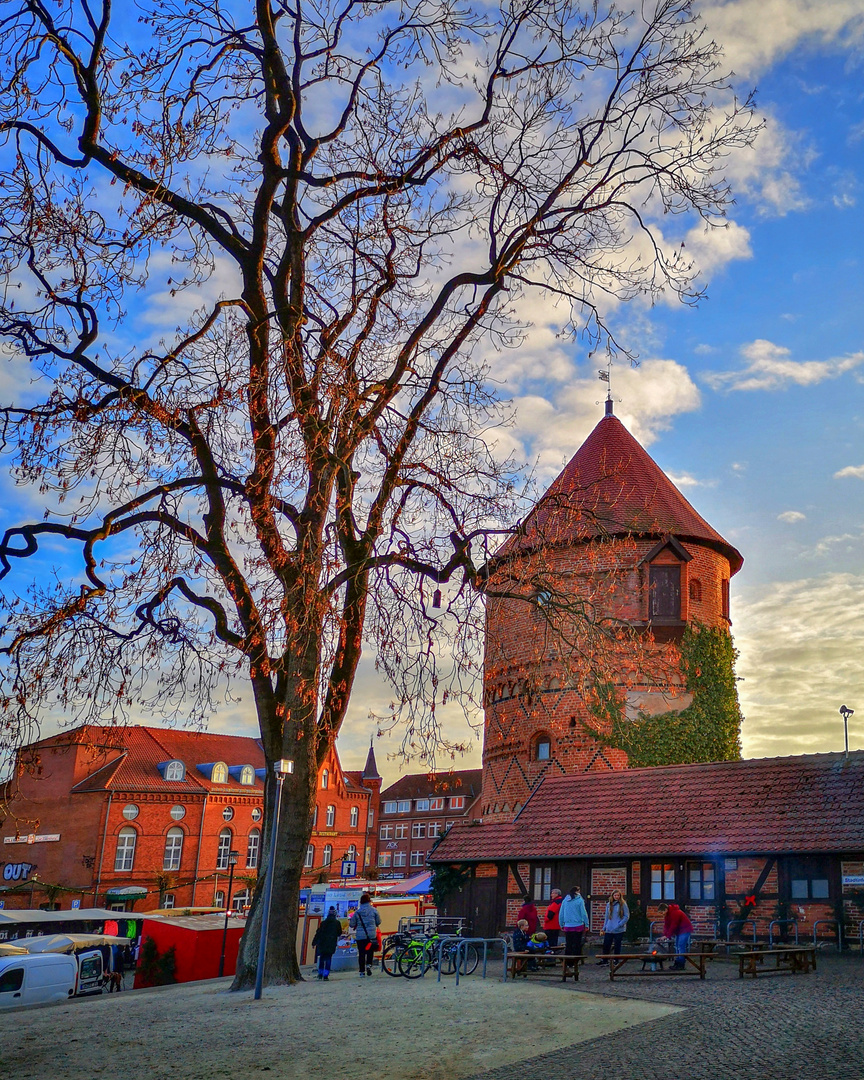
point(819, 888)
point(799, 889)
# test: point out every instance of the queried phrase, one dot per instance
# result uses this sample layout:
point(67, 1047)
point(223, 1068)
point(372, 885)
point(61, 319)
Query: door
point(11, 982)
point(604, 879)
point(484, 907)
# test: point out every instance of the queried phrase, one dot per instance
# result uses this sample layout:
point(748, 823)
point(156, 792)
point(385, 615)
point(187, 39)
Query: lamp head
point(283, 767)
point(846, 712)
point(233, 857)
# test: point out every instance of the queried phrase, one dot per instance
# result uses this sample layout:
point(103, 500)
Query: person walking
point(530, 914)
point(573, 916)
point(551, 922)
point(614, 924)
point(325, 942)
point(364, 922)
point(677, 925)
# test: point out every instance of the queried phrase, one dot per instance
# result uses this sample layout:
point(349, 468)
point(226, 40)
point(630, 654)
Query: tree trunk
point(296, 740)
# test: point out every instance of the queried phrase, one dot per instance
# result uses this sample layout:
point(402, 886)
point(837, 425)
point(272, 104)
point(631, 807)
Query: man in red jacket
point(551, 923)
point(530, 914)
point(677, 925)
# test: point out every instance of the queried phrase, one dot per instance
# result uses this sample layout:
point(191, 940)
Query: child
point(520, 936)
point(537, 943)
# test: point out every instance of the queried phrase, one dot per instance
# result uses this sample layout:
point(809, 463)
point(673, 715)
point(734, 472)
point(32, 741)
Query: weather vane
point(605, 375)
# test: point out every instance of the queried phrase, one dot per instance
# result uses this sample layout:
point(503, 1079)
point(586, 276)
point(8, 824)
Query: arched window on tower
point(542, 748)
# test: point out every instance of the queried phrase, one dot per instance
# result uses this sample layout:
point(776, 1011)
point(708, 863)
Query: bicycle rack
point(827, 922)
point(485, 942)
point(742, 923)
point(442, 941)
point(651, 925)
point(781, 922)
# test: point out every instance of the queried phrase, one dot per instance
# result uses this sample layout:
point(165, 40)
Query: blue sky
point(753, 401)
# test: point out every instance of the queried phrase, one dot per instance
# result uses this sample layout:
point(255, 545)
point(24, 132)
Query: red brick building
point(612, 543)
point(756, 840)
point(416, 810)
point(118, 815)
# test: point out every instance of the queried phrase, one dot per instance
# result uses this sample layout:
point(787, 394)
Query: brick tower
point(595, 591)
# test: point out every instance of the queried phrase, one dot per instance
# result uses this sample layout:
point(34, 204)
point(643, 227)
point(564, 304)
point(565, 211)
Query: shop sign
point(17, 871)
point(853, 879)
point(32, 838)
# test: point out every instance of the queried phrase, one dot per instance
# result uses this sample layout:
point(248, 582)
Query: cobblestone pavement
point(776, 1027)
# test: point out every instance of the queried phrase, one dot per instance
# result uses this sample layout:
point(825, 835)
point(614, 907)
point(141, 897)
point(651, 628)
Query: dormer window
point(664, 592)
point(219, 775)
point(175, 770)
point(247, 776)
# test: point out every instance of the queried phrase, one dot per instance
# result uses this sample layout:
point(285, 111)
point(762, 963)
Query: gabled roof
point(612, 487)
point(807, 804)
point(467, 782)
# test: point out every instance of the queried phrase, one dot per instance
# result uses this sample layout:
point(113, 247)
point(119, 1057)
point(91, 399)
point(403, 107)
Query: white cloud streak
point(771, 367)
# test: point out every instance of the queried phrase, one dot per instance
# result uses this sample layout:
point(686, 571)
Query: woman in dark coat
point(325, 940)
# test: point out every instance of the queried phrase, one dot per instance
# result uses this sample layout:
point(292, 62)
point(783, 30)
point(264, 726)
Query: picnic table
point(792, 958)
point(517, 964)
point(652, 964)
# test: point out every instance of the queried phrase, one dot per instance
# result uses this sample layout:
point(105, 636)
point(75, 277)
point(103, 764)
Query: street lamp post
point(281, 768)
point(233, 856)
point(846, 713)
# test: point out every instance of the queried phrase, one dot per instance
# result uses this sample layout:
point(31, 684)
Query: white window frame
point(219, 898)
point(168, 900)
point(418, 858)
point(175, 770)
point(226, 839)
point(309, 861)
point(457, 802)
point(422, 805)
point(331, 816)
point(437, 803)
point(327, 855)
point(355, 817)
point(172, 856)
point(403, 806)
point(124, 856)
point(247, 776)
point(325, 779)
point(385, 832)
point(351, 853)
point(400, 858)
point(219, 775)
point(418, 830)
point(434, 829)
point(383, 858)
point(401, 831)
point(389, 808)
point(253, 849)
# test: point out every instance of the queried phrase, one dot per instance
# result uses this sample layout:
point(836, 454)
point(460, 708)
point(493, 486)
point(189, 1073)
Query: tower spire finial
point(605, 375)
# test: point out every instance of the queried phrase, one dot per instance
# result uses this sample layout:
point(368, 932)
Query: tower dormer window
point(247, 776)
point(664, 587)
point(543, 748)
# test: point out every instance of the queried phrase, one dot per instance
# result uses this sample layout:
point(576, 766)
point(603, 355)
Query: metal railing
point(829, 922)
point(742, 923)
point(651, 925)
point(781, 922)
point(422, 924)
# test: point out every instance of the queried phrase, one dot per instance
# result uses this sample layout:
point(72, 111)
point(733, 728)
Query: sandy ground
point(348, 1028)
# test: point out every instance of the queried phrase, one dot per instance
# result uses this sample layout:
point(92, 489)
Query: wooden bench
point(517, 964)
point(792, 958)
point(653, 965)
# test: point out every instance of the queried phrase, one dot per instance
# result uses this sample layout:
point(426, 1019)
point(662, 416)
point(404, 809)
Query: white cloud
point(713, 247)
point(757, 33)
point(684, 480)
point(802, 655)
point(791, 516)
point(767, 172)
point(829, 544)
point(850, 470)
point(550, 431)
point(770, 367)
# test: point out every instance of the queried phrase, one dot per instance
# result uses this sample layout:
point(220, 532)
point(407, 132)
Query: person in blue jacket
point(614, 924)
point(573, 916)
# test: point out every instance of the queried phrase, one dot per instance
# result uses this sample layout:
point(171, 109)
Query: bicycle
point(416, 957)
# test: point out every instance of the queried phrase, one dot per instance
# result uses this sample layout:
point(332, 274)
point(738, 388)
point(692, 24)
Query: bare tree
point(362, 193)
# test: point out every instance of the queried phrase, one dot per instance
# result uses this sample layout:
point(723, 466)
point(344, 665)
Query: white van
point(45, 977)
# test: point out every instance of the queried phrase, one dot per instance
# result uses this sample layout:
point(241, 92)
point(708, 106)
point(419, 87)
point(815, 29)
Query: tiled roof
point(812, 803)
point(145, 748)
point(612, 487)
point(419, 785)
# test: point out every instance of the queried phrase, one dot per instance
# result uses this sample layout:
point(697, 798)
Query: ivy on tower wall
point(709, 729)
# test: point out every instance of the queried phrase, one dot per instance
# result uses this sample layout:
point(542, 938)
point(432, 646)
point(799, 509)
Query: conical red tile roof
point(612, 487)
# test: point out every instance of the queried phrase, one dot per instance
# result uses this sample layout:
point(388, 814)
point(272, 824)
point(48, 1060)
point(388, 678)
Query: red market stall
point(197, 944)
